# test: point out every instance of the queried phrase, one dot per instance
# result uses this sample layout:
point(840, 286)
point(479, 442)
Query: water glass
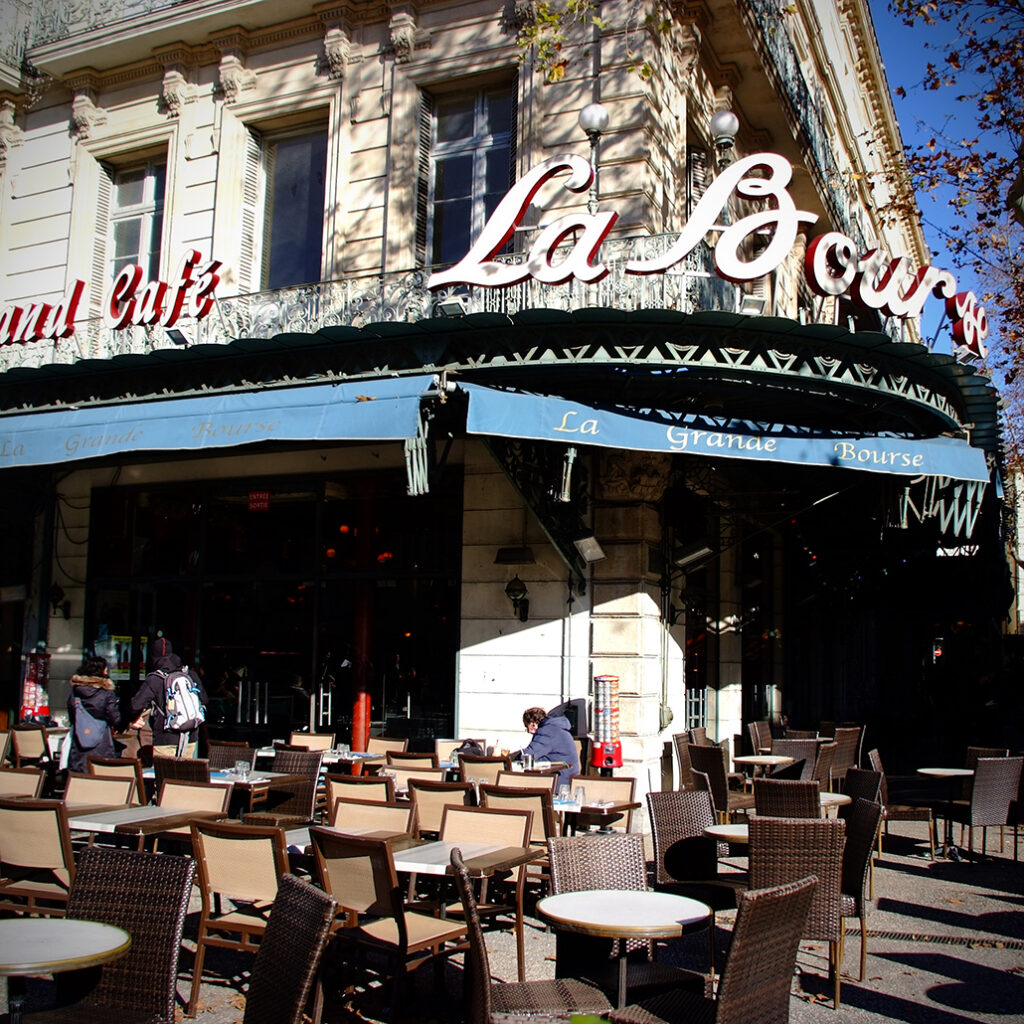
point(242, 770)
point(579, 796)
point(564, 792)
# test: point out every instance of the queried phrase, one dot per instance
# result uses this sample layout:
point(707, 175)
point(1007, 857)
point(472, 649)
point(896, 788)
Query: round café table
point(739, 834)
point(52, 945)
point(622, 914)
point(949, 849)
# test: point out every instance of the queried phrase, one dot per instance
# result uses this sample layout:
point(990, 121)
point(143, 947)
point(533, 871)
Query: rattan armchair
point(484, 998)
point(681, 742)
point(899, 812)
point(289, 955)
point(222, 754)
point(805, 751)
point(191, 769)
point(147, 895)
point(823, 762)
point(786, 850)
point(754, 986)
point(787, 798)
point(760, 733)
point(848, 740)
point(711, 761)
point(862, 820)
point(685, 860)
point(996, 781)
point(291, 802)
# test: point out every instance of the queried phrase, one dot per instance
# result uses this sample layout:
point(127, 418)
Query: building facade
point(336, 349)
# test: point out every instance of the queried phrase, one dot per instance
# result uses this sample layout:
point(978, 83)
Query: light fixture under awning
point(548, 418)
point(369, 410)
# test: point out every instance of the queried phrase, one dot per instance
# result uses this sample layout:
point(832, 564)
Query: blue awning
point(548, 418)
point(371, 410)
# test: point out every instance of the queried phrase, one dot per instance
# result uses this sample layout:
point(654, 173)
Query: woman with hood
point(93, 687)
point(552, 741)
point(152, 695)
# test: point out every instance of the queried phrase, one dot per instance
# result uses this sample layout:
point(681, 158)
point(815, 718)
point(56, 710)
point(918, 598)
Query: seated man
point(552, 741)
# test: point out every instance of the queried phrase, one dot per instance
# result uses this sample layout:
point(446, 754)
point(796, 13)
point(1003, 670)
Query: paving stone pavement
point(945, 946)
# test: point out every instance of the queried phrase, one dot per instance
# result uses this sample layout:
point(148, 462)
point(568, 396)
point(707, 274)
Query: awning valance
point(370, 410)
point(549, 418)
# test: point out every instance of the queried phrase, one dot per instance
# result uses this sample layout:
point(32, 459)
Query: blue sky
point(923, 115)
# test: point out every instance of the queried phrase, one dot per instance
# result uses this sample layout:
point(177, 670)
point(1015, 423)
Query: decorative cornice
point(233, 76)
point(11, 136)
point(406, 38)
point(85, 115)
point(337, 48)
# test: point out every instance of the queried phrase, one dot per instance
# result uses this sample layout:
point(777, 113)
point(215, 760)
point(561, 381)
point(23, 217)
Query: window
point(296, 171)
point(470, 139)
point(136, 218)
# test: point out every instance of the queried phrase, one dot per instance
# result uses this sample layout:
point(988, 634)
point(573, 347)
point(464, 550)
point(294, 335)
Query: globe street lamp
point(594, 121)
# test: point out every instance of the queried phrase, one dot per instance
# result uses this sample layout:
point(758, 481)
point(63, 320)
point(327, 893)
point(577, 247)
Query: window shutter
point(696, 176)
point(98, 280)
point(423, 177)
point(513, 137)
point(250, 215)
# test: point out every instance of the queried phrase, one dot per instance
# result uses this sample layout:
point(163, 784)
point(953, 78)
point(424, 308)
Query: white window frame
point(145, 211)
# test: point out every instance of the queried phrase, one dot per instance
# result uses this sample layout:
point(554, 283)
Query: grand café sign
point(833, 266)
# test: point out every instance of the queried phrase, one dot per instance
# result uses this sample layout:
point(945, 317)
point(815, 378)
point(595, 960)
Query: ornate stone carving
point(235, 77)
point(634, 476)
point(177, 91)
point(85, 115)
point(336, 52)
point(405, 36)
point(11, 136)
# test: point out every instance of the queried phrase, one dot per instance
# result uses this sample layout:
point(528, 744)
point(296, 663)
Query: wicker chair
point(680, 741)
point(789, 849)
point(847, 751)
point(147, 895)
point(22, 782)
point(753, 986)
point(604, 861)
point(483, 998)
point(974, 754)
point(685, 860)
point(224, 753)
point(243, 864)
point(899, 812)
point(760, 734)
point(800, 734)
point(823, 762)
point(291, 803)
point(699, 736)
point(431, 796)
point(190, 769)
point(996, 781)
point(711, 761)
point(862, 821)
point(288, 959)
point(37, 865)
point(862, 784)
point(111, 766)
point(787, 798)
point(800, 750)
point(359, 872)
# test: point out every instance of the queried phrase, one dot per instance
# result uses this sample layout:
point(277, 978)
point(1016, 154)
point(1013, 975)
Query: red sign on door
point(259, 501)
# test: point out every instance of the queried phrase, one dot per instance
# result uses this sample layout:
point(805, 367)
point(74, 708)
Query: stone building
point(335, 347)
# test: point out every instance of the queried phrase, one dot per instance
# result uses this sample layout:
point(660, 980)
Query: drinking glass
point(564, 792)
point(579, 795)
point(242, 770)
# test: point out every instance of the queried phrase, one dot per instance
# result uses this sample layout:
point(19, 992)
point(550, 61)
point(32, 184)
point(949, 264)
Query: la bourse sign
point(833, 266)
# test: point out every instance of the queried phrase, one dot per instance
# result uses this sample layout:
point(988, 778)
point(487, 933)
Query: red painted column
point(362, 626)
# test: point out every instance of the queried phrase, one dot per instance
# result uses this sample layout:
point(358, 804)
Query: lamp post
point(725, 125)
point(593, 120)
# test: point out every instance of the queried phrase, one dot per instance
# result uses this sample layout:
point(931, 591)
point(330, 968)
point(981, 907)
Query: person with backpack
point(93, 709)
point(176, 699)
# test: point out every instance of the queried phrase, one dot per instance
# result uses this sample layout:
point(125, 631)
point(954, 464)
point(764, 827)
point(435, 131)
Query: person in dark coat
point(552, 741)
point(95, 689)
point(152, 696)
